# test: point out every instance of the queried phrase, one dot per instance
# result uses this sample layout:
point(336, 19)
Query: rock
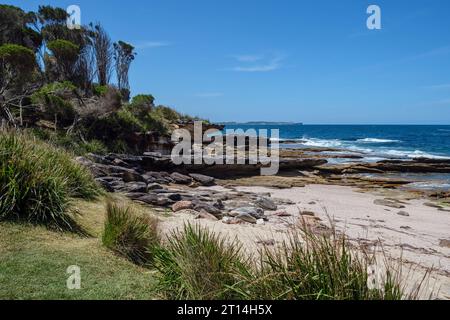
point(247, 218)
point(206, 215)
point(207, 207)
point(432, 205)
point(132, 176)
point(403, 213)
point(405, 227)
point(266, 204)
point(164, 201)
point(135, 195)
point(444, 243)
point(388, 203)
point(202, 179)
point(150, 198)
point(135, 187)
point(228, 220)
point(154, 186)
point(282, 213)
point(312, 203)
point(105, 184)
point(180, 178)
point(256, 213)
point(173, 196)
point(182, 205)
point(161, 177)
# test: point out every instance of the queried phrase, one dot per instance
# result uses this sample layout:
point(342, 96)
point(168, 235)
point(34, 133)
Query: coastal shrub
point(167, 113)
point(99, 90)
point(130, 234)
point(54, 103)
point(70, 142)
point(37, 181)
point(143, 101)
point(197, 264)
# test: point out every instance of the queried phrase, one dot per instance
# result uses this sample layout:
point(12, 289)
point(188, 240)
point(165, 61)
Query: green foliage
point(53, 101)
point(66, 54)
point(130, 234)
point(18, 58)
point(99, 90)
point(70, 142)
point(14, 26)
point(197, 264)
point(167, 113)
point(63, 49)
point(144, 101)
point(38, 180)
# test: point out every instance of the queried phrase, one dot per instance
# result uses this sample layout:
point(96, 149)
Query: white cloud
point(269, 64)
point(247, 58)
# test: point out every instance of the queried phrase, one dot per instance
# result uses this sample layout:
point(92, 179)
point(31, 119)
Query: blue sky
point(278, 60)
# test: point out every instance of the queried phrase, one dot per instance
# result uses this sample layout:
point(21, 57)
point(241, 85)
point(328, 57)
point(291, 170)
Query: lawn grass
point(34, 260)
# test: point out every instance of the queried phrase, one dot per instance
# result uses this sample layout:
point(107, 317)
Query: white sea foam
point(413, 154)
point(375, 140)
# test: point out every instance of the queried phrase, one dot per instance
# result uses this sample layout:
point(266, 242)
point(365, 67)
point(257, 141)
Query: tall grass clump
point(199, 265)
point(319, 267)
point(38, 180)
point(129, 233)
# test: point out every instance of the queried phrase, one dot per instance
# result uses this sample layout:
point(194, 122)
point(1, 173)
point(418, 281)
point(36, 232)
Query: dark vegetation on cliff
point(57, 83)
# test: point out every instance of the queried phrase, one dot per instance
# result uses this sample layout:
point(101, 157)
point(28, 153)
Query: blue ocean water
point(374, 143)
point(377, 141)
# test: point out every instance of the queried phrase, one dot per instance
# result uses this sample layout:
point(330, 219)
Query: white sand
point(416, 237)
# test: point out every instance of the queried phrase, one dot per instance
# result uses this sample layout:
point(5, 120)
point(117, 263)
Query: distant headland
point(261, 123)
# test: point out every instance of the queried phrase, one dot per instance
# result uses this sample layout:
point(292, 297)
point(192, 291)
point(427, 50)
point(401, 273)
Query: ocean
point(376, 142)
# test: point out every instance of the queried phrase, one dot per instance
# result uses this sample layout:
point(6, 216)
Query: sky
point(306, 61)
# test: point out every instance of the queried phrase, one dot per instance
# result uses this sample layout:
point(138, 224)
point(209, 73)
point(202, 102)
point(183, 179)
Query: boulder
point(388, 203)
point(155, 186)
point(256, 213)
point(206, 215)
point(131, 187)
point(247, 218)
point(202, 179)
point(207, 207)
point(150, 198)
point(266, 203)
point(181, 178)
point(403, 213)
point(182, 205)
point(132, 176)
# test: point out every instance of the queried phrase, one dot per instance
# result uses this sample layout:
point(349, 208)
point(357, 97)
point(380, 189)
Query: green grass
point(129, 233)
point(196, 264)
point(34, 260)
point(38, 181)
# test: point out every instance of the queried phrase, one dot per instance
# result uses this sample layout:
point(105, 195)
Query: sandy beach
point(416, 232)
